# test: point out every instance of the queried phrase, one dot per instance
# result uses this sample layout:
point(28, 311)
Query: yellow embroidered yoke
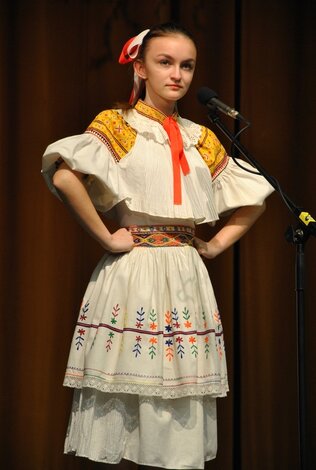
point(212, 152)
point(113, 130)
point(128, 158)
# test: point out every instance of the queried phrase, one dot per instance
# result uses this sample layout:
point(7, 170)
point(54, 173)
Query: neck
point(166, 107)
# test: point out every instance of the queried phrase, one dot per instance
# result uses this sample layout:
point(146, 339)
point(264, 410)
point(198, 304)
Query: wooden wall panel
point(276, 59)
point(59, 71)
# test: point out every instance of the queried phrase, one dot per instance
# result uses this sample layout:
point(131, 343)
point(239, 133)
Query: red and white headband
point(131, 48)
point(129, 54)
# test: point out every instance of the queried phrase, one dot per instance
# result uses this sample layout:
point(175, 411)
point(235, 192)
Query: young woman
point(147, 359)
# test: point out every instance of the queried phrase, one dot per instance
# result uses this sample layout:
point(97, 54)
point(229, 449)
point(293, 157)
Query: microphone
point(209, 98)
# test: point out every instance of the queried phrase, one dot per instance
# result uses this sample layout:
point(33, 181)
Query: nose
point(176, 73)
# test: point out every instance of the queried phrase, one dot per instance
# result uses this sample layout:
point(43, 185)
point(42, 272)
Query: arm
point(74, 194)
point(237, 225)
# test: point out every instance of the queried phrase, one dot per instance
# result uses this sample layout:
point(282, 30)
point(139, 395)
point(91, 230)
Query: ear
point(140, 69)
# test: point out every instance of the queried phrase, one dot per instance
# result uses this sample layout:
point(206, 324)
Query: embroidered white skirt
point(149, 324)
point(148, 355)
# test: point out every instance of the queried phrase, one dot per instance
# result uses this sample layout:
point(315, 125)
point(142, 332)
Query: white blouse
point(128, 158)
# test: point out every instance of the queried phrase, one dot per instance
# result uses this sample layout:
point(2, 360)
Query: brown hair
point(160, 30)
point(157, 31)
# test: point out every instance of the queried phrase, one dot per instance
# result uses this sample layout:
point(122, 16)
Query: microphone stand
point(298, 236)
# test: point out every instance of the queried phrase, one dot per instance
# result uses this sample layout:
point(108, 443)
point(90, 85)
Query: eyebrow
point(170, 57)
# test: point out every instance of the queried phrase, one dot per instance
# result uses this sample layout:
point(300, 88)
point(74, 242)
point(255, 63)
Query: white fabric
point(234, 187)
point(143, 178)
point(173, 434)
point(149, 325)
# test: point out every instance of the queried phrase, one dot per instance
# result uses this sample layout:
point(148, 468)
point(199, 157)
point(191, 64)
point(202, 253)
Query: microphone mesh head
point(204, 95)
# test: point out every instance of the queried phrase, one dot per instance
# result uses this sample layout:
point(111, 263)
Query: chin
point(176, 95)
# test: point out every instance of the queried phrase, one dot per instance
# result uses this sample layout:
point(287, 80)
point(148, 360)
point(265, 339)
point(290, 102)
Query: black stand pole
point(298, 236)
point(300, 265)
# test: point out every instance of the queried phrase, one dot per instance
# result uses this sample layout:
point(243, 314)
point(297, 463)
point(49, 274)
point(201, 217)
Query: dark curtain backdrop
point(58, 70)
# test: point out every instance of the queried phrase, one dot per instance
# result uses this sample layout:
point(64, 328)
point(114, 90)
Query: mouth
point(174, 86)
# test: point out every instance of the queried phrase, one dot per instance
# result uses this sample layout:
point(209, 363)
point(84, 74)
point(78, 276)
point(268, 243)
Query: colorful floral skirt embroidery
point(149, 325)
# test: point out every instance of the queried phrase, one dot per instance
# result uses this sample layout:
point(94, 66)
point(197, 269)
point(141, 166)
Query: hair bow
point(131, 48)
point(128, 54)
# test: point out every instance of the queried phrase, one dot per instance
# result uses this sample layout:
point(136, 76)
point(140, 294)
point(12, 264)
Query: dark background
point(58, 70)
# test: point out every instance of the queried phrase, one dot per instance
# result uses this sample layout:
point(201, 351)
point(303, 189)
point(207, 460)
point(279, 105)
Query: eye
point(164, 62)
point(187, 66)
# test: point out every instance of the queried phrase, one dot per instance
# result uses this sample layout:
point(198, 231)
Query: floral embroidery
point(152, 348)
point(186, 316)
point(140, 318)
point(204, 318)
point(175, 318)
point(219, 348)
point(168, 319)
point(109, 342)
point(194, 348)
point(179, 333)
point(84, 310)
point(206, 346)
point(139, 325)
point(80, 338)
point(180, 347)
point(153, 319)
point(137, 346)
point(115, 313)
point(217, 317)
point(169, 342)
point(169, 349)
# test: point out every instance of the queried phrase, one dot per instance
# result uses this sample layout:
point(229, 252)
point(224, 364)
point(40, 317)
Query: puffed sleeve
point(96, 154)
point(236, 187)
point(83, 153)
point(233, 186)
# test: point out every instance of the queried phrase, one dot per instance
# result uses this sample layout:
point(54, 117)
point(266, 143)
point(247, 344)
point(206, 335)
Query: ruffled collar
point(152, 113)
point(148, 121)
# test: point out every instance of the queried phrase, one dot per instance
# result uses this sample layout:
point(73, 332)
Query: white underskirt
point(168, 433)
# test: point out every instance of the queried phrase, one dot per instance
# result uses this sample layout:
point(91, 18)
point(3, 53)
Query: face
point(167, 69)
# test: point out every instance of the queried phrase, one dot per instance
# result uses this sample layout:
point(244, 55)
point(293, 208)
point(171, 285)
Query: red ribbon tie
point(178, 157)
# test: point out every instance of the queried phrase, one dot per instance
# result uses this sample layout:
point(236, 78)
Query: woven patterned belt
point(162, 235)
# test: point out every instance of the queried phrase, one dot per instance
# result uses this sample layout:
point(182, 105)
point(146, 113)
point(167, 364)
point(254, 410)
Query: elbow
point(257, 211)
point(258, 208)
point(62, 179)
point(59, 180)
point(263, 207)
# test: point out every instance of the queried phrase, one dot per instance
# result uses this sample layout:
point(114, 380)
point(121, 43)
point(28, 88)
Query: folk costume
point(147, 360)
